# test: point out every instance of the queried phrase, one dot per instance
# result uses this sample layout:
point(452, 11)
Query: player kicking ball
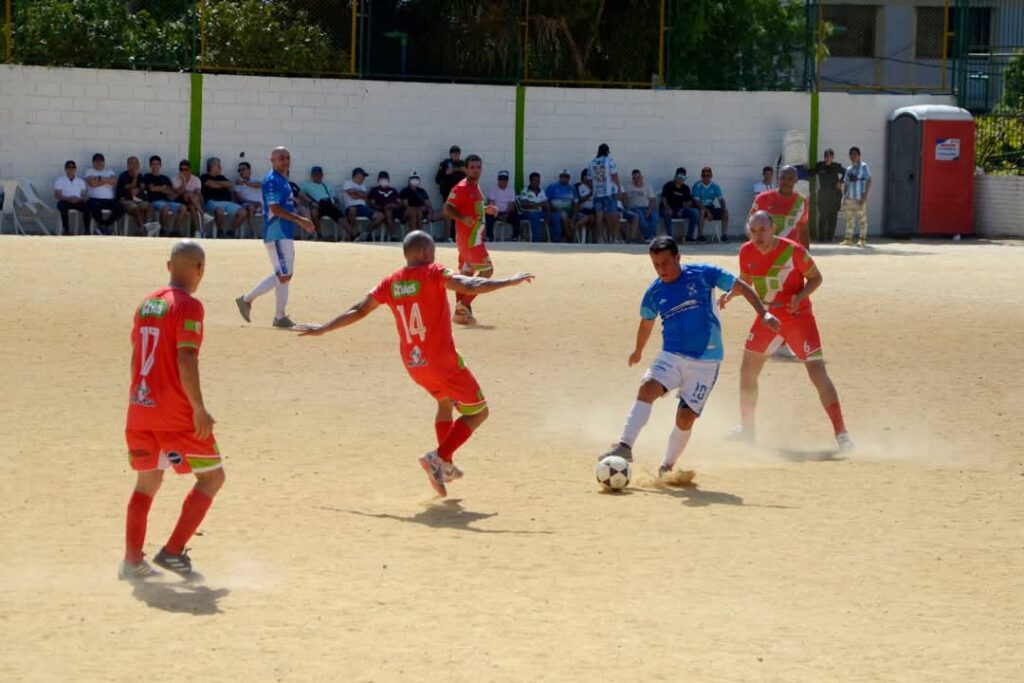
point(784, 276)
point(168, 425)
point(691, 344)
point(417, 296)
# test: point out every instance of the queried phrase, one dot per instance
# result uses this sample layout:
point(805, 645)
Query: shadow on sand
point(694, 496)
point(186, 597)
point(446, 514)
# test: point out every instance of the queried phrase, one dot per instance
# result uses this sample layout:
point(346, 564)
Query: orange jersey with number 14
point(418, 298)
point(167, 320)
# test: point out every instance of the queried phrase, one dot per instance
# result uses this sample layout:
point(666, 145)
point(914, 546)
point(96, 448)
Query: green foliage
point(267, 35)
point(99, 33)
point(736, 44)
point(999, 143)
point(1013, 84)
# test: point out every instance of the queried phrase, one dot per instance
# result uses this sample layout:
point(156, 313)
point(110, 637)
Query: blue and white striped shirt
point(855, 181)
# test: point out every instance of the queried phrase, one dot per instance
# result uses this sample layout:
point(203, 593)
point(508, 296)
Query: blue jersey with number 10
point(689, 323)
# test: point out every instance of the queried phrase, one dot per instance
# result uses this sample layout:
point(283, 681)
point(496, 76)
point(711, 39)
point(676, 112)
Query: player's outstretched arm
point(352, 315)
point(643, 334)
point(464, 284)
point(741, 288)
point(188, 370)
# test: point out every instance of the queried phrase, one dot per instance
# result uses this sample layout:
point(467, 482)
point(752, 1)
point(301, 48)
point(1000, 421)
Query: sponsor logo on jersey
point(153, 308)
point(140, 396)
point(416, 359)
point(193, 326)
point(404, 288)
point(174, 457)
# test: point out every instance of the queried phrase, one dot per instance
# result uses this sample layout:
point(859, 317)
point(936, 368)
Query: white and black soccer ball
point(613, 473)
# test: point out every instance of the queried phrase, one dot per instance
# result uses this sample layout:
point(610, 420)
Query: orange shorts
point(799, 332)
point(476, 258)
point(460, 387)
point(181, 450)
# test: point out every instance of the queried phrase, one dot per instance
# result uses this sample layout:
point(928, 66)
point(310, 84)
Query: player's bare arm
point(353, 315)
point(451, 212)
point(188, 370)
point(643, 335)
point(742, 288)
point(301, 221)
point(813, 281)
point(465, 284)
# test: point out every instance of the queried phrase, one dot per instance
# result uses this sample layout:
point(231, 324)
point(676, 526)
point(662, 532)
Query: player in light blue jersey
point(278, 237)
point(683, 296)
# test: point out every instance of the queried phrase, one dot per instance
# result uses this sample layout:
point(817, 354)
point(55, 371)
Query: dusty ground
point(326, 558)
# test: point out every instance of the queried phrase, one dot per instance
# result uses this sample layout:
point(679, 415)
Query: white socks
point(261, 289)
point(635, 421)
point(281, 297)
point(676, 443)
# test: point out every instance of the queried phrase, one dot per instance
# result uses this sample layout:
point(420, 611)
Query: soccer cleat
point(845, 442)
point(152, 229)
point(244, 307)
point(846, 243)
point(135, 571)
point(664, 470)
point(433, 466)
point(619, 449)
point(463, 315)
point(180, 564)
point(284, 323)
point(862, 242)
point(450, 471)
point(740, 433)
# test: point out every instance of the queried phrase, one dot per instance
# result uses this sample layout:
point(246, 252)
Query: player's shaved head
point(788, 170)
point(788, 176)
point(187, 265)
point(418, 247)
point(759, 218)
point(281, 160)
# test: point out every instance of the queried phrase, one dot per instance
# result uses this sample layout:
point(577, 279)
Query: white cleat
point(450, 472)
point(845, 442)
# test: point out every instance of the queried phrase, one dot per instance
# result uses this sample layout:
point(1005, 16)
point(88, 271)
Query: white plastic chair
point(11, 189)
point(38, 208)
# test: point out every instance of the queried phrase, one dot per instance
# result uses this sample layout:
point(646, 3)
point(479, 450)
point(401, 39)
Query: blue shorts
point(363, 211)
point(229, 208)
point(159, 204)
point(606, 205)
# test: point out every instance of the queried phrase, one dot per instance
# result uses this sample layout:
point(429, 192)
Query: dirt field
point(327, 559)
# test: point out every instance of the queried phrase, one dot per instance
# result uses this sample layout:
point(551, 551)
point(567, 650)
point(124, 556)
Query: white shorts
point(282, 256)
point(693, 378)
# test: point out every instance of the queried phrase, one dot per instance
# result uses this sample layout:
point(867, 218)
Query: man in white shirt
point(100, 182)
point(767, 181)
point(533, 206)
point(503, 197)
point(355, 203)
point(69, 191)
point(189, 191)
point(641, 209)
point(605, 176)
point(249, 193)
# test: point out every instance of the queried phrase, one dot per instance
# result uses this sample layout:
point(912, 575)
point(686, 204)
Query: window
point(929, 33)
point(854, 34)
point(978, 31)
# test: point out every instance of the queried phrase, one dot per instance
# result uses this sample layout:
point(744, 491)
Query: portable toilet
point(930, 176)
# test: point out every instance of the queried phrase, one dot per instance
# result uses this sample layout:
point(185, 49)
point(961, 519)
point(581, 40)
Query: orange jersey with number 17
point(167, 320)
point(418, 298)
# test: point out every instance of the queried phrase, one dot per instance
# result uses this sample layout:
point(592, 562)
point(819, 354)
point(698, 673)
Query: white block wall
point(49, 115)
point(999, 206)
point(341, 124)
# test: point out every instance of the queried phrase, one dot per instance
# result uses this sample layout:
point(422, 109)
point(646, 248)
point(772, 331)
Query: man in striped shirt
point(856, 185)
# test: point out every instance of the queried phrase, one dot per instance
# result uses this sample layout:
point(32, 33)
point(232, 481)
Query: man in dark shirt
point(131, 192)
point(160, 194)
point(384, 198)
point(677, 202)
point(218, 198)
point(830, 194)
point(450, 173)
point(417, 204)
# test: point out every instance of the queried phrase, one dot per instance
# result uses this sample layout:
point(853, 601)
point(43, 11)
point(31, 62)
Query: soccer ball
point(613, 473)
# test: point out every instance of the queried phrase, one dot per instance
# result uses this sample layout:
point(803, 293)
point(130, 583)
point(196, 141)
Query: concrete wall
point(998, 203)
point(49, 115)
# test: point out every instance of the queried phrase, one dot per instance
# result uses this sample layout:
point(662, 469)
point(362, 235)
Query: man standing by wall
point(830, 195)
point(856, 185)
point(605, 176)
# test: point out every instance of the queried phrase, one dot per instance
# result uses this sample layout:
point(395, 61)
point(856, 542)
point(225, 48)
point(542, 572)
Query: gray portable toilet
point(930, 171)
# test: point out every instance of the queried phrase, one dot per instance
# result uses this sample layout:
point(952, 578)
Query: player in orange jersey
point(465, 205)
point(417, 296)
point(168, 424)
point(784, 276)
point(787, 208)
